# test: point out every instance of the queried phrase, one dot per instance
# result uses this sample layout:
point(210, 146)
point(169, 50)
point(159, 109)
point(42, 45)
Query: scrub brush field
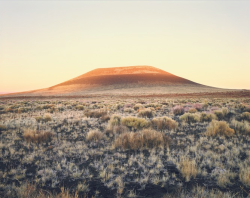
point(120, 147)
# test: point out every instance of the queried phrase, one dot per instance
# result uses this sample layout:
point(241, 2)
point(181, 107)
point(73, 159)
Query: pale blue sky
point(43, 43)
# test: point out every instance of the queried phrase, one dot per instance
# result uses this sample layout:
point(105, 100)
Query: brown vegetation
point(216, 128)
point(164, 123)
point(143, 139)
point(32, 136)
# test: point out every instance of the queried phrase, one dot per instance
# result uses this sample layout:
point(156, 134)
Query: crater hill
point(132, 80)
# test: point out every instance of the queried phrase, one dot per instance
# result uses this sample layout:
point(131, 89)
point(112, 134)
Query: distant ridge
point(131, 80)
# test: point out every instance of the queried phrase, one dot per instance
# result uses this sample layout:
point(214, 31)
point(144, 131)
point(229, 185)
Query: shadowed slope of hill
point(141, 75)
point(131, 80)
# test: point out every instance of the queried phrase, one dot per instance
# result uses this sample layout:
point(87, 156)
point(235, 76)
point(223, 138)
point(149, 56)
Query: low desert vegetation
point(33, 136)
point(164, 123)
point(219, 128)
point(146, 138)
point(190, 118)
point(178, 110)
point(125, 147)
point(95, 113)
point(188, 168)
point(134, 123)
point(245, 116)
point(94, 135)
point(207, 117)
point(241, 127)
point(146, 113)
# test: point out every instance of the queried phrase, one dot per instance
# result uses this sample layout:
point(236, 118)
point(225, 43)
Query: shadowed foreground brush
point(188, 168)
point(29, 190)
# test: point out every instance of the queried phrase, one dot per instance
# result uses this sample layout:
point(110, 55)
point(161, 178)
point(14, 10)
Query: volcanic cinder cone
point(133, 80)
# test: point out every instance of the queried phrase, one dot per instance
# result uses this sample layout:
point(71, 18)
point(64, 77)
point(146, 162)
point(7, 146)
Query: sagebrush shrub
point(105, 118)
point(94, 135)
point(178, 110)
point(188, 168)
point(80, 107)
point(95, 113)
point(207, 117)
point(241, 127)
point(39, 118)
point(33, 136)
point(245, 116)
point(192, 110)
point(143, 139)
point(47, 117)
point(147, 113)
point(198, 106)
point(164, 123)
point(216, 128)
point(2, 127)
point(138, 106)
point(115, 120)
point(134, 123)
point(120, 129)
point(219, 114)
point(245, 176)
point(190, 117)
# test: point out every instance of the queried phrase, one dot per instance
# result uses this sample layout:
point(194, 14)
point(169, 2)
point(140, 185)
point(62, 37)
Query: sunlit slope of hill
point(132, 80)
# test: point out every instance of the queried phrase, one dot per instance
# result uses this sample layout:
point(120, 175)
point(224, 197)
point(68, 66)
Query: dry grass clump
point(146, 138)
point(105, 118)
point(47, 117)
point(178, 110)
point(2, 127)
point(192, 110)
point(138, 106)
point(198, 106)
point(164, 123)
point(224, 177)
point(245, 116)
point(32, 136)
point(39, 118)
point(134, 123)
point(245, 176)
point(94, 135)
point(201, 192)
point(190, 118)
point(241, 127)
point(115, 120)
point(80, 107)
point(146, 113)
point(29, 190)
point(120, 129)
point(207, 117)
point(21, 110)
point(188, 168)
point(95, 113)
point(48, 106)
point(221, 114)
point(128, 110)
point(219, 128)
